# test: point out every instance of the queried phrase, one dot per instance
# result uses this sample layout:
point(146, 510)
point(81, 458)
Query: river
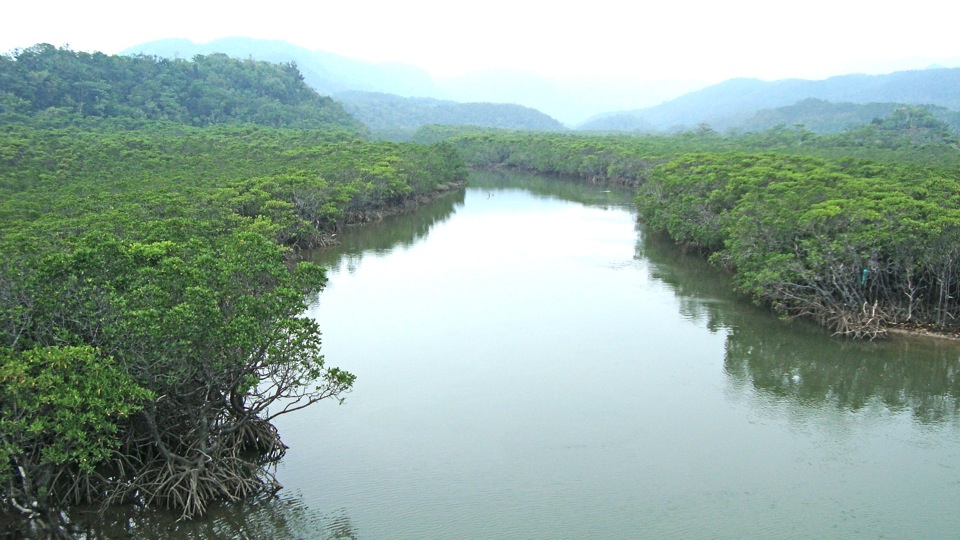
point(531, 364)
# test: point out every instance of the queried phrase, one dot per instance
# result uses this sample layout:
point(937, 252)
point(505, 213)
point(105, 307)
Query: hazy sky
point(706, 40)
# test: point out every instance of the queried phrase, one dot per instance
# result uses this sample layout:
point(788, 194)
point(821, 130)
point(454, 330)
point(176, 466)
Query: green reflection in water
point(396, 231)
point(563, 189)
point(798, 362)
point(406, 229)
point(283, 516)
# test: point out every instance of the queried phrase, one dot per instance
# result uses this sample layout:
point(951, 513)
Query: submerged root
point(867, 322)
point(191, 489)
point(262, 439)
point(189, 479)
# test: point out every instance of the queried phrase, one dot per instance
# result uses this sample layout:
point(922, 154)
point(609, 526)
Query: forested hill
point(408, 96)
point(49, 82)
point(735, 101)
point(389, 112)
point(326, 72)
point(825, 117)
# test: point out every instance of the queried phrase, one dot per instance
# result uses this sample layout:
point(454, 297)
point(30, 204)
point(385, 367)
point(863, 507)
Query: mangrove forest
point(152, 214)
point(151, 303)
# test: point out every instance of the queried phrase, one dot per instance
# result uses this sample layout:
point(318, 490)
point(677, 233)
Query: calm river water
point(532, 365)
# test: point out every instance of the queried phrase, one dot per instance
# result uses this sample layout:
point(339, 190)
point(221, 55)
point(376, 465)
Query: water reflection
point(563, 189)
point(284, 516)
point(902, 375)
point(406, 229)
point(401, 230)
point(801, 364)
point(703, 293)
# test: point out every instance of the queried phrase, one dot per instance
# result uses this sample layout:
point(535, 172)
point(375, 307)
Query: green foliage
point(63, 405)
point(824, 117)
point(306, 183)
point(62, 414)
point(212, 325)
point(855, 245)
point(215, 328)
point(907, 134)
point(56, 85)
point(915, 127)
point(619, 159)
point(798, 217)
point(158, 256)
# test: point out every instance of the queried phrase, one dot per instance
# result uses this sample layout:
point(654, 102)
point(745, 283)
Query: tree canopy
point(54, 83)
point(856, 230)
point(152, 307)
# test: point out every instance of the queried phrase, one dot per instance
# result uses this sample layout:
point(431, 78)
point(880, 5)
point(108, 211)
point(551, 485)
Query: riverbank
point(328, 239)
point(159, 259)
point(596, 179)
point(922, 333)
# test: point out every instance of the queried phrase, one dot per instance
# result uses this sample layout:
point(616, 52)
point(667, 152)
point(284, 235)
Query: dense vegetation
point(859, 231)
point(151, 309)
point(855, 245)
point(824, 117)
point(908, 134)
point(53, 83)
point(161, 255)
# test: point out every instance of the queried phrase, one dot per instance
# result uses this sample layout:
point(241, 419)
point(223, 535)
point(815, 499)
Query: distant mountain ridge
point(381, 112)
point(387, 96)
point(326, 72)
point(734, 102)
point(825, 117)
point(568, 100)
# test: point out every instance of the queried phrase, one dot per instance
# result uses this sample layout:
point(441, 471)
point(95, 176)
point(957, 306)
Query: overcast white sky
point(706, 40)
